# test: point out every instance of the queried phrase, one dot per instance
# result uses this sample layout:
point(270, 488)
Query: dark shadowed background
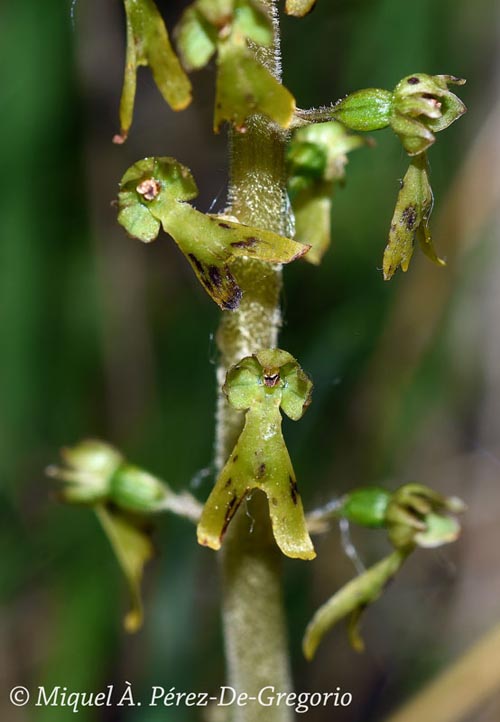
point(103, 336)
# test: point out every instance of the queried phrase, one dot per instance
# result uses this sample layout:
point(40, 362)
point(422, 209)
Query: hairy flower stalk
point(253, 614)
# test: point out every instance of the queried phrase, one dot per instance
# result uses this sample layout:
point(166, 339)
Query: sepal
point(148, 44)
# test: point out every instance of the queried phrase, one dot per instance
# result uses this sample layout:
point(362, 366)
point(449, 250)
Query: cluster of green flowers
point(155, 193)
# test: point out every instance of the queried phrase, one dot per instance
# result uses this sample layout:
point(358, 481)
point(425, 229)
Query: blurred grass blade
point(457, 693)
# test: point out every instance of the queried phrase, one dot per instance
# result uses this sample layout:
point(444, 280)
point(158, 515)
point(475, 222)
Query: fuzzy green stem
point(253, 614)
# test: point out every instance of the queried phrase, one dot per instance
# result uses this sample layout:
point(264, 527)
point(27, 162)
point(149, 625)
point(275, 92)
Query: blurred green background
point(102, 336)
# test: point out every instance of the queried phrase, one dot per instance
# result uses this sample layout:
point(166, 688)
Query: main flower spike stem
point(253, 614)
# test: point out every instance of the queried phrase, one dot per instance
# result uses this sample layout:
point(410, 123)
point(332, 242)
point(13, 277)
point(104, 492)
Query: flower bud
point(366, 506)
point(365, 110)
point(134, 489)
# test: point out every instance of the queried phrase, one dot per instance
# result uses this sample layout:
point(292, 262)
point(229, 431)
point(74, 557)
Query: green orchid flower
point(423, 106)
point(419, 107)
point(123, 496)
point(154, 193)
point(414, 516)
point(261, 385)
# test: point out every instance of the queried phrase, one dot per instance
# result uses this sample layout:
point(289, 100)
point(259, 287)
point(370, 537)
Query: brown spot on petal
point(215, 276)
point(247, 243)
point(197, 263)
point(294, 492)
point(231, 303)
point(409, 217)
point(231, 510)
point(413, 80)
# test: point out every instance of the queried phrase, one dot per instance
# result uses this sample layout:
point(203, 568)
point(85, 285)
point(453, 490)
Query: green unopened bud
point(134, 489)
point(365, 110)
point(417, 515)
point(366, 506)
point(422, 106)
point(87, 470)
